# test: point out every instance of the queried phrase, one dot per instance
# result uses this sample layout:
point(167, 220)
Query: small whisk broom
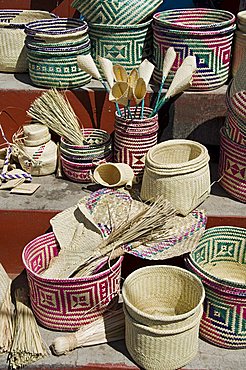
point(53, 109)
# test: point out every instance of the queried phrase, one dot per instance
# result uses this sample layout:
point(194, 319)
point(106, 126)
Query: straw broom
point(53, 109)
point(108, 328)
point(27, 346)
point(6, 312)
point(149, 225)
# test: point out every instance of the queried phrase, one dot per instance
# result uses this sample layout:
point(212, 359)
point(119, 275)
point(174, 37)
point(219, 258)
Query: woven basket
point(116, 12)
point(219, 260)
point(124, 44)
point(13, 55)
point(78, 162)
point(163, 308)
point(232, 165)
point(235, 123)
point(178, 169)
point(239, 80)
point(205, 33)
point(239, 50)
point(65, 304)
point(133, 138)
point(52, 49)
point(114, 174)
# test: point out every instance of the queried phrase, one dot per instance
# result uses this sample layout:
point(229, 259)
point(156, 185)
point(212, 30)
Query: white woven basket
point(13, 55)
point(177, 169)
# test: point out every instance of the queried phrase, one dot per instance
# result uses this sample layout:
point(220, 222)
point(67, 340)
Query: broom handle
point(159, 92)
point(162, 101)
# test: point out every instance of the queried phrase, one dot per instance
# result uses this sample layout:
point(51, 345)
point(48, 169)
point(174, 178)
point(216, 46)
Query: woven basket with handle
point(13, 55)
point(179, 170)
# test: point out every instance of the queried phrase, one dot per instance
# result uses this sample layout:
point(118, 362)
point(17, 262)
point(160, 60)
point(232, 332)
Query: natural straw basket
point(163, 308)
point(179, 170)
point(205, 33)
point(13, 55)
point(219, 260)
point(232, 164)
point(52, 49)
point(133, 138)
point(239, 50)
point(116, 12)
point(67, 304)
point(123, 44)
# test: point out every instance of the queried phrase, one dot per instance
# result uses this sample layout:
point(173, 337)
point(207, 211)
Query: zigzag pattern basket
point(232, 167)
point(64, 304)
point(52, 49)
point(13, 54)
point(205, 33)
point(163, 308)
point(178, 169)
point(123, 44)
point(117, 11)
point(219, 260)
point(78, 162)
point(133, 139)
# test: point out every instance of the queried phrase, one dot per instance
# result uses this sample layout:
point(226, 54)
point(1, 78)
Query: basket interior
point(163, 292)
point(176, 153)
point(221, 253)
point(109, 174)
point(23, 17)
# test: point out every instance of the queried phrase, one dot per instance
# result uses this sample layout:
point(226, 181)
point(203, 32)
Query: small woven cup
point(114, 174)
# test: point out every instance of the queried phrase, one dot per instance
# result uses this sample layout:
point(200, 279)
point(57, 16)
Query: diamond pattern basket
point(69, 303)
point(219, 260)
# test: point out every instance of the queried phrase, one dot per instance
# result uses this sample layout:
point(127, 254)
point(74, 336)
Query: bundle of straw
point(6, 312)
point(27, 346)
point(149, 225)
point(108, 328)
point(53, 109)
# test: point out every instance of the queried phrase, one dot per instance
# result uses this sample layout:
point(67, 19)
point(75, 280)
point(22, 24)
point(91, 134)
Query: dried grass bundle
point(6, 312)
point(53, 109)
point(108, 328)
point(28, 345)
point(149, 225)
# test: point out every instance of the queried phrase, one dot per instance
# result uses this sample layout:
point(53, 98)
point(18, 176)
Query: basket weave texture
point(52, 49)
point(79, 161)
point(122, 44)
point(133, 139)
point(232, 166)
point(13, 54)
point(239, 50)
point(117, 11)
point(179, 170)
point(64, 304)
point(163, 308)
point(219, 260)
point(205, 33)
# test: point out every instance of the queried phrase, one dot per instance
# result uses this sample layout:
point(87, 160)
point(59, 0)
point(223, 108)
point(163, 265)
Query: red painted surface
point(60, 7)
point(18, 227)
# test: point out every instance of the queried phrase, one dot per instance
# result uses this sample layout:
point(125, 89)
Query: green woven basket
point(122, 44)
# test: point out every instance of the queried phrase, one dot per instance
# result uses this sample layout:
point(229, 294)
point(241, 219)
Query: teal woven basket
point(122, 44)
point(52, 50)
point(117, 11)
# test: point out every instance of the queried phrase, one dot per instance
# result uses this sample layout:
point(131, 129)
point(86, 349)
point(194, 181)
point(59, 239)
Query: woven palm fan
point(6, 310)
point(107, 69)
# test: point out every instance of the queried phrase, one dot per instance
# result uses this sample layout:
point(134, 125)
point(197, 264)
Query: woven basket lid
point(36, 134)
point(238, 104)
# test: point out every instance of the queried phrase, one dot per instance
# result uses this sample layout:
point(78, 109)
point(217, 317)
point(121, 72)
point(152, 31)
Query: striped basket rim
point(119, 27)
point(56, 27)
point(10, 13)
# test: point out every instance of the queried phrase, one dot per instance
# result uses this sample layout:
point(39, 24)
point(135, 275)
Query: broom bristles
point(53, 109)
point(6, 312)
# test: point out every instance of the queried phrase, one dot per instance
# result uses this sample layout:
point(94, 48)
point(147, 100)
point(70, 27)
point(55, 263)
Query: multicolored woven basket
point(219, 260)
point(123, 44)
point(232, 167)
point(133, 138)
point(13, 54)
point(179, 170)
point(67, 304)
point(117, 11)
point(235, 123)
point(79, 161)
point(163, 308)
point(205, 33)
point(52, 49)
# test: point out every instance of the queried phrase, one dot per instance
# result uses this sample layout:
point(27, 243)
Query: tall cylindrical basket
point(133, 138)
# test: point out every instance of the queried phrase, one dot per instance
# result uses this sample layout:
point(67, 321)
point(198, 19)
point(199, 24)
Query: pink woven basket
point(232, 167)
point(67, 304)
